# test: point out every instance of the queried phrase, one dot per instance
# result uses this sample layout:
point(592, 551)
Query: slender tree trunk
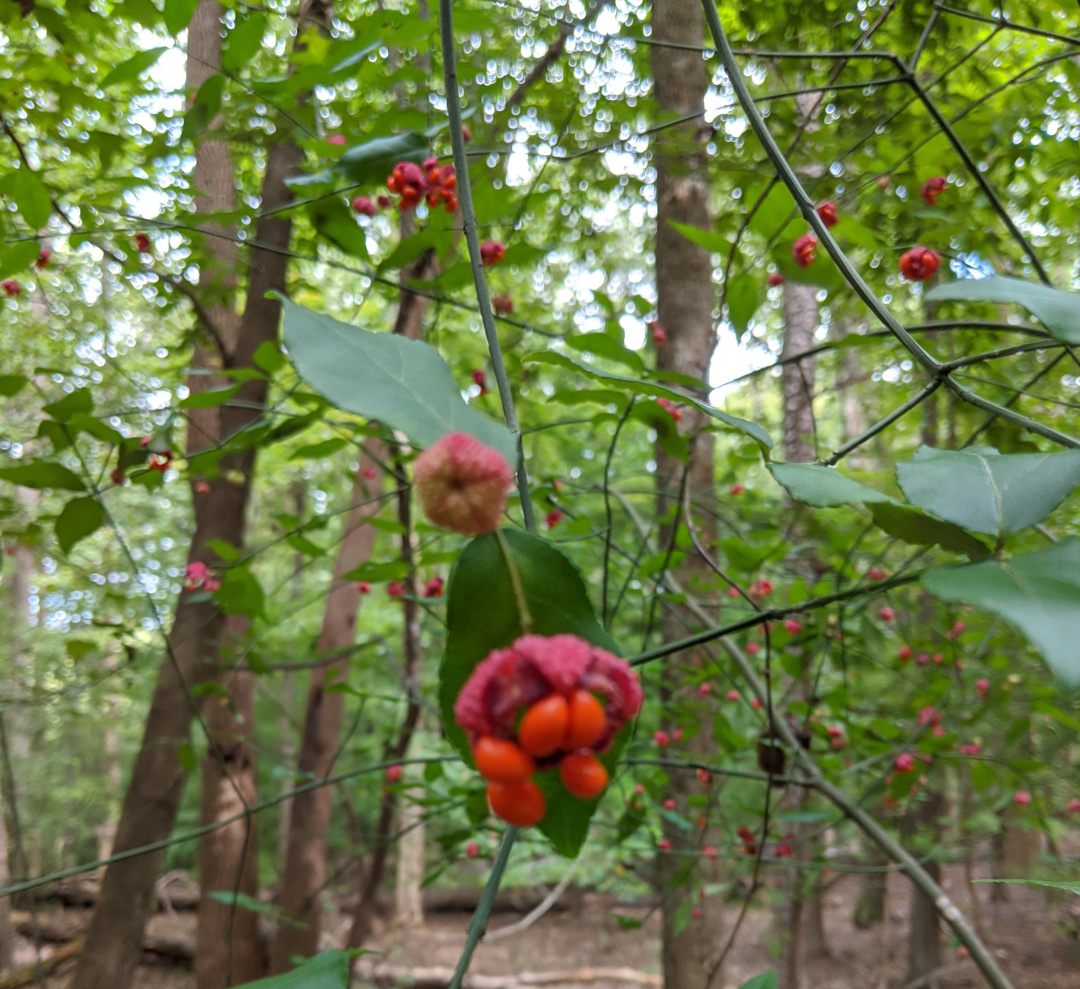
point(153, 796)
point(685, 298)
point(870, 906)
point(7, 933)
point(305, 859)
point(409, 875)
point(228, 947)
point(797, 378)
point(924, 932)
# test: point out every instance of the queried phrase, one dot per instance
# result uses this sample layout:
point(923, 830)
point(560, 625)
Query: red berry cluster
point(932, 188)
point(920, 264)
point(803, 250)
point(442, 184)
point(430, 181)
point(492, 252)
point(540, 703)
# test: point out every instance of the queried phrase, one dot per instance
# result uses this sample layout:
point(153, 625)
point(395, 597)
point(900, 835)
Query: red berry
point(932, 188)
point(492, 252)
point(11, 287)
point(709, 852)
point(369, 473)
point(696, 913)
point(393, 774)
point(466, 133)
point(733, 695)
point(500, 761)
point(1074, 805)
point(756, 704)
point(553, 518)
point(904, 763)
point(904, 653)
point(938, 658)
point(792, 626)
point(982, 687)
point(704, 689)
point(142, 243)
point(472, 849)
point(338, 139)
point(1021, 798)
point(544, 726)
point(803, 250)
point(363, 206)
point(662, 738)
point(973, 749)
point(384, 202)
point(659, 334)
point(920, 264)
point(875, 573)
point(43, 259)
point(117, 476)
point(924, 658)
point(664, 845)
point(735, 490)
point(704, 776)
point(583, 775)
point(408, 180)
point(752, 648)
point(520, 804)
point(775, 278)
point(363, 587)
point(883, 181)
point(669, 804)
point(503, 305)
point(676, 735)
point(395, 589)
point(886, 614)
point(434, 588)
point(828, 214)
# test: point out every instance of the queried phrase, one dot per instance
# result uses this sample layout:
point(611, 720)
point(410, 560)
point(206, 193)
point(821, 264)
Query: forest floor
point(1026, 931)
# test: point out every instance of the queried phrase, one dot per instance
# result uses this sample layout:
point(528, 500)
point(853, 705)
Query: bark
point(157, 779)
point(870, 906)
point(6, 932)
point(228, 947)
point(305, 859)
point(797, 378)
point(409, 878)
point(685, 309)
point(924, 931)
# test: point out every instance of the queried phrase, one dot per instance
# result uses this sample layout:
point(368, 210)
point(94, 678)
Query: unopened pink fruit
point(463, 484)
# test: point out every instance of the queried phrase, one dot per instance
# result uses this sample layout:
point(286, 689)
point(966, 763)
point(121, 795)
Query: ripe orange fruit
point(500, 761)
point(520, 804)
point(583, 775)
point(587, 721)
point(544, 726)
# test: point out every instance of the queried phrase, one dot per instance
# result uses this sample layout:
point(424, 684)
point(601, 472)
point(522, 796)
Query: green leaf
point(133, 67)
point(1038, 593)
point(402, 383)
point(919, 529)
point(743, 298)
point(985, 491)
point(337, 223)
point(43, 474)
point(242, 900)
point(607, 346)
point(211, 399)
point(241, 593)
point(312, 451)
point(637, 387)
point(12, 384)
point(1070, 887)
point(17, 256)
point(371, 162)
point(242, 42)
point(185, 755)
point(557, 599)
point(710, 240)
point(177, 14)
point(80, 518)
point(80, 400)
point(765, 981)
point(30, 196)
point(1058, 311)
point(375, 573)
point(822, 487)
point(205, 107)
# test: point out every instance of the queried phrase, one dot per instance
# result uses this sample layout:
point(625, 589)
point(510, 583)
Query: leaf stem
point(472, 238)
point(515, 582)
point(479, 921)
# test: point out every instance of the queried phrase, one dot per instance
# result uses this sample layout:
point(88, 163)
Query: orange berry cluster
point(555, 728)
point(431, 181)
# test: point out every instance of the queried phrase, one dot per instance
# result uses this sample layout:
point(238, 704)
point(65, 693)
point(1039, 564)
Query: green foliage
point(327, 970)
point(404, 383)
point(1058, 311)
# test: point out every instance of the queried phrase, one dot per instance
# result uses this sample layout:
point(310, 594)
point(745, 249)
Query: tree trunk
point(305, 861)
point(7, 935)
point(685, 297)
point(797, 378)
point(228, 947)
point(409, 877)
point(924, 931)
point(157, 779)
point(870, 906)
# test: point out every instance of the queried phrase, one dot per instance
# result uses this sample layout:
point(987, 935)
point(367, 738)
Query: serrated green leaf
point(80, 518)
point(402, 383)
point(637, 387)
point(1058, 311)
point(986, 491)
point(30, 196)
point(42, 474)
point(1037, 593)
point(558, 602)
point(133, 67)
